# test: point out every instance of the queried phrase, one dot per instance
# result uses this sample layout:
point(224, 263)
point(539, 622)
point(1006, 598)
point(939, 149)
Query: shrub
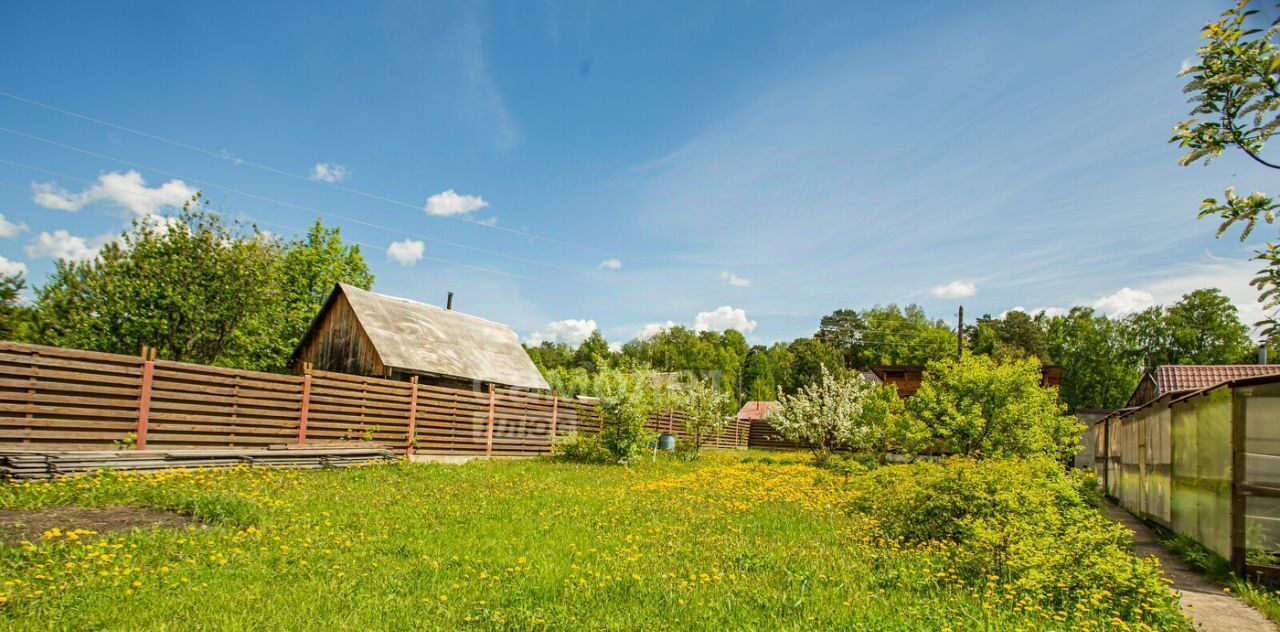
point(1019, 528)
point(626, 402)
point(980, 407)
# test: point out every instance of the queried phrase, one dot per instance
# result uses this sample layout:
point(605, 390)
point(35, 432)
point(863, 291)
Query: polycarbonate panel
point(1157, 470)
point(1261, 434)
point(1213, 466)
point(1262, 530)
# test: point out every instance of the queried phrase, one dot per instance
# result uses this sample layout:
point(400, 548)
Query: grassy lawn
point(717, 544)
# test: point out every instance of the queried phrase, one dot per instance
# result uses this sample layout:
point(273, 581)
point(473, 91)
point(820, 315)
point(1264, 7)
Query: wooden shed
point(364, 333)
point(907, 377)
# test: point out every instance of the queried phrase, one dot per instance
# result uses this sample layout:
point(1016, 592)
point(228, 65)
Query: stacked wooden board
point(20, 465)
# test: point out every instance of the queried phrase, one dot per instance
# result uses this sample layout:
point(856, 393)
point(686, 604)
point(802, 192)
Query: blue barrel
point(666, 441)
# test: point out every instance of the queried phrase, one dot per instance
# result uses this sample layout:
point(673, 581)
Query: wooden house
point(907, 377)
point(359, 332)
point(1186, 378)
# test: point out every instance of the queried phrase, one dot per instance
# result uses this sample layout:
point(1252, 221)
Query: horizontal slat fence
point(65, 399)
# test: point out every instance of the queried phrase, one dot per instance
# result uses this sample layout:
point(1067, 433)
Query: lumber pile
point(43, 464)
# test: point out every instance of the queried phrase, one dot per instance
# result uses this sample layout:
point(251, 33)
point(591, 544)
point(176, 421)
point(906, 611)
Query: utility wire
point(240, 161)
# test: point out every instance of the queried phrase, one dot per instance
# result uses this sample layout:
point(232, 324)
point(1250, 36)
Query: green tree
point(15, 317)
point(809, 357)
point(707, 355)
point(1235, 86)
point(886, 335)
point(548, 356)
point(1203, 327)
point(1100, 363)
point(195, 288)
point(706, 410)
point(593, 354)
point(826, 414)
point(980, 407)
point(312, 265)
point(1015, 335)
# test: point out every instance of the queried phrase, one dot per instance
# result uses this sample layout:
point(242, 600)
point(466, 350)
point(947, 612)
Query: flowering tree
point(828, 414)
point(704, 408)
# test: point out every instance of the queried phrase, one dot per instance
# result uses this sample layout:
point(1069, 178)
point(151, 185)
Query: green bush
point(582, 447)
point(1022, 530)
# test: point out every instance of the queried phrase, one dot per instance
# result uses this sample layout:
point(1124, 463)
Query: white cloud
point(1124, 301)
point(406, 252)
point(488, 221)
point(955, 289)
point(63, 245)
point(615, 347)
point(571, 331)
point(451, 203)
point(9, 229)
point(733, 279)
point(1048, 311)
point(8, 267)
point(652, 329)
point(329, 172)
point(610, 264)
point(722, 318)
point(126, 190)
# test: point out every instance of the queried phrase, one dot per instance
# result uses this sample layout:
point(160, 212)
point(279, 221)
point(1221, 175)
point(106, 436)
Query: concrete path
point(1203, 601)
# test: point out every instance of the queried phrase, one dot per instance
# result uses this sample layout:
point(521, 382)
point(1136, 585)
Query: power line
point(240, 161)
point(263, 198)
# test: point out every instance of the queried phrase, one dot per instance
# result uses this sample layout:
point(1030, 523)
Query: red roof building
point(756, 410)
point(1184, 378)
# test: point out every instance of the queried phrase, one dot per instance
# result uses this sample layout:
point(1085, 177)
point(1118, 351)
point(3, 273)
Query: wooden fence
point(64, 399)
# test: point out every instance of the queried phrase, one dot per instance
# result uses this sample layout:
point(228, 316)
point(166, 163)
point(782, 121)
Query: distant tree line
point(1102, 357)
point(194, 286)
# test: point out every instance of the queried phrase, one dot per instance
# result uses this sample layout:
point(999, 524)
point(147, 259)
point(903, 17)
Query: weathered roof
point(416, 337)
point(757, 409)
point(1173, 378)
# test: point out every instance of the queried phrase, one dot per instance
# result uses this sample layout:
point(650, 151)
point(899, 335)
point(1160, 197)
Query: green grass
point(1217, 569)
point(710, 545)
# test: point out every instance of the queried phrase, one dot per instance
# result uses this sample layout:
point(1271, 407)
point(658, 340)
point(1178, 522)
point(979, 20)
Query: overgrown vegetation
point(194, 286)
point(712, 544)
point(1219, 571)
point(626, 401)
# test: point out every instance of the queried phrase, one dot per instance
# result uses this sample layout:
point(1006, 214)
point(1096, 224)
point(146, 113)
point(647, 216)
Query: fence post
point(488, 444)
point(306, 404)
point(413, 413)
point(555, 413)
point(144, 396)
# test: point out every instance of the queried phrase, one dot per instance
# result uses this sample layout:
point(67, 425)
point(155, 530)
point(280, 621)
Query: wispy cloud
point(9, 230)
point(610, 264)
point(329, 172)
point(571, 331)
point(480, 92)
point(733, 279)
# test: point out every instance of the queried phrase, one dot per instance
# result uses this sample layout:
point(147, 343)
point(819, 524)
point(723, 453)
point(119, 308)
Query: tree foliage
point(980, 407)
point(839, 411)
point(1100, 364)
point(1235, 96)
point(198, 289)
point(1015, 335)
point(886, 335)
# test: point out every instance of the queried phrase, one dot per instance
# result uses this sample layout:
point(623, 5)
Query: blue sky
point(752, 166)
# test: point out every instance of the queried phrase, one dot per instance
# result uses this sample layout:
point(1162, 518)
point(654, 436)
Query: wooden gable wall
point(338, 343)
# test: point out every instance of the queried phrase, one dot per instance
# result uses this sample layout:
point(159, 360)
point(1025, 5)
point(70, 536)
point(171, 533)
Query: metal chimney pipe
point(449, 304)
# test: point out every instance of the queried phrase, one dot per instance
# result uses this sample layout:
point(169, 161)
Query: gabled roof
point(757, 409)
point(418, 338)
point(1173, 378)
